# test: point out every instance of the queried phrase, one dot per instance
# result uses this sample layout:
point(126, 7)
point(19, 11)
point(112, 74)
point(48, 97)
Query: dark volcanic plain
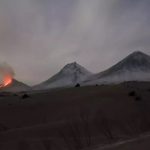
point(92, 118)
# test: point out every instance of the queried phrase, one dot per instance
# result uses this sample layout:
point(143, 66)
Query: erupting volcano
point(7, 80)
point(6, 75)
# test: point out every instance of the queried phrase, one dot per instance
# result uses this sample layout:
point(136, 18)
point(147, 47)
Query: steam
point(6, 71)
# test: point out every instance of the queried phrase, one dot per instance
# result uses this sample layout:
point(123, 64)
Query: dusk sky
point(39, 37)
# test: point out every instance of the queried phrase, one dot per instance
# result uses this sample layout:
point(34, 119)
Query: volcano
point(15, 86)
point(135, 67)
point(70, 75)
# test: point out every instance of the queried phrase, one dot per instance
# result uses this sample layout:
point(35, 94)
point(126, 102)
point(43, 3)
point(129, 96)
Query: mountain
point(70, 75)
point(16, 86)
point(135, 67)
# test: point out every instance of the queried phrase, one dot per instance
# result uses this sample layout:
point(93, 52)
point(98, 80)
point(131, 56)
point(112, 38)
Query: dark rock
point(132, 93)
point(25, 96)
point(77, 85)
point(138, 98)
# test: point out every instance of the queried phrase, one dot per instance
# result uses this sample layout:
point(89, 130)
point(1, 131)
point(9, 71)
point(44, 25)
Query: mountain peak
point(138, 54)
point(136, 60)
point(69, 75)
point(73, 64)
point(73, 68)
point(135, 66)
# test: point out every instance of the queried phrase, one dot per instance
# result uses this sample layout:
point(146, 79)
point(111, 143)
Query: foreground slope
point(75, 118)
point(70, 75)
point(135, 67)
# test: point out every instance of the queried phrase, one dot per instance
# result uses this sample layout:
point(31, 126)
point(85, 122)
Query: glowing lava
point(7, 80)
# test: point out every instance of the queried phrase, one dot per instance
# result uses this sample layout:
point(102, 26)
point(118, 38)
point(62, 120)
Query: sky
point(39, 37)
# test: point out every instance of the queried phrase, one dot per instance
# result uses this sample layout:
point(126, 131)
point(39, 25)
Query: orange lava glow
point(7, 80)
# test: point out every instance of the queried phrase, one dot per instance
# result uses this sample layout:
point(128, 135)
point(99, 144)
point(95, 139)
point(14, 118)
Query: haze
point(38, 37)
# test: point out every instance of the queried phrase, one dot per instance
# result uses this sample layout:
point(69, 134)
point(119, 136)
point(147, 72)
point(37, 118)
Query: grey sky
point(38, 37)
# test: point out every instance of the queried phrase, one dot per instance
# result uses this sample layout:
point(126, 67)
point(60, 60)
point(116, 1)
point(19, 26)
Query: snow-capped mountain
point(16, 86)
point(135, 67)
point(70, 75)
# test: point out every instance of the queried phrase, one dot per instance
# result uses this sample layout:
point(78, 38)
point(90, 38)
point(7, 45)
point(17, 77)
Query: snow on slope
point(16, 86)
point(135, 67)
point(70, 75)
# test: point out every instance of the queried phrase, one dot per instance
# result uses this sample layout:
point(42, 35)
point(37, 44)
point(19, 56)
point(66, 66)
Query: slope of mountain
point(135, 67)
point(16, 86)
point(70, 75)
